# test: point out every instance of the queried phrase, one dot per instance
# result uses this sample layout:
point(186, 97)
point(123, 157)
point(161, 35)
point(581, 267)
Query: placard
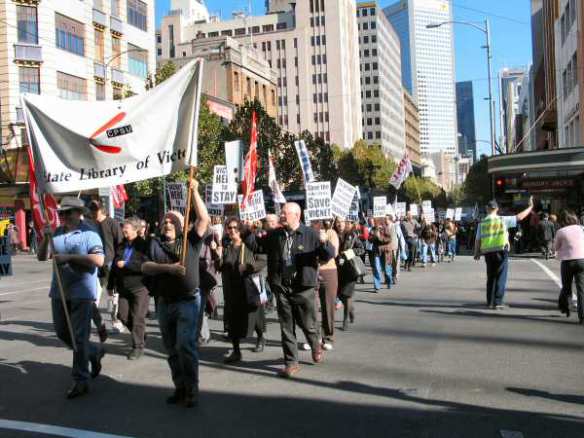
point(224, 190)
point(458, 214)
point(389, 211)
point(177, 196)
point(354, 210)
point(379, 203)
point(234, 160)
point(255, 208)
point(414, 209)
point(426, 205)
point(5, 257)
point(342, 198)
point(450, 213)
point(429, 215)
point(318, 200)
point(212, 209)
point(400, 209)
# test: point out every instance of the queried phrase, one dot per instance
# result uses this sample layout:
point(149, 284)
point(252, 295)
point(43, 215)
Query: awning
point(565, 161)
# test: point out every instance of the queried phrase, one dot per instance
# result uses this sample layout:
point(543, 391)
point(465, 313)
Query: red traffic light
point(500, 182)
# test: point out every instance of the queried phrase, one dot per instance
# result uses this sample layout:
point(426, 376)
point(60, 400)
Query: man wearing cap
point(79, 255)
point(492, 241)
point(179, 304)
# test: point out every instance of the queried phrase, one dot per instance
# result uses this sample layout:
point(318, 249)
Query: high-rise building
point(381, 85)
point(314, 47)
point(510, 83)
point(567, 33)
point(525, 136)
point(412, 125)
point(465, 118)
point(428, 56)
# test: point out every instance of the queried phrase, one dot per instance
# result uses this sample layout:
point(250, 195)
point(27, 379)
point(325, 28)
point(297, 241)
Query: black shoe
point(177, 397)
point(351, 317)
point(191, 398)
point(346, 325)
point(135, 354)
point(77, 390)
point(96, 363)
point(233, 358)
point(260, 345)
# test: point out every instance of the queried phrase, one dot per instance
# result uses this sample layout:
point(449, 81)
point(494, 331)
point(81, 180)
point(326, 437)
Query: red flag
point(50, 203)
point(119, 195)
point(250, 168)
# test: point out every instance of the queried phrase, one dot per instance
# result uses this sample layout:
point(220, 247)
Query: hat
point(72, 203)
point(177, 220)
point(492, 205)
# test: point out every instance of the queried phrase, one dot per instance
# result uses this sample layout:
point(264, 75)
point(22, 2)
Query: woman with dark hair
point(328, 288)
point(348, 241)
point(569, 247)
point(237, 264)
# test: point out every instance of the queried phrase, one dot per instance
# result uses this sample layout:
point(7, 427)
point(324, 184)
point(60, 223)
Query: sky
point(510, 41)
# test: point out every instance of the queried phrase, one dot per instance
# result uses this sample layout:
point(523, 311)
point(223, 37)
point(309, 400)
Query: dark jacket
point(129, 278)
point(111, 235)
point(306, 252)
point(547, 230)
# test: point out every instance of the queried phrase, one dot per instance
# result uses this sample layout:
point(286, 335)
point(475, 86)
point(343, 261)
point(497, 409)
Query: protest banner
point(450, 213)
point(212, 209)
point(414, 209)
point(379, 203)
point(426, 205)
point(400, 209)
point(318, 200)
point(354, 209)
point(224, 190)
point(254, 209)
point(389, 210)
point(429, 215)
point(177, 196)
point(441, 213)
point(458, 214)
point(342, 198)
point(5, 257)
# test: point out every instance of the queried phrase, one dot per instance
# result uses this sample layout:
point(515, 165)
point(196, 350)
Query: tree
point(418, 189)
point(477, 186)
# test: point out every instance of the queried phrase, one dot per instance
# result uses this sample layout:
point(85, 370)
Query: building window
point(159, 39)
point(26, 17)
point(115, 4)
point(71, 87)
point(227, 32)
point(99, 91)
point(138, 14)
point(364, 12)
point(70, 35)
point(254, 29)
point(373, 25)
point(268, 28)
point(29, 80)
point(214, 34)
point(281, 26)
point(365, 26)
point(118, 93)
point(240, 31)
point(138, 61)
point(372, 11)
point(99, 45)
point(366, 39)
point(116, 52)
point(159, 52)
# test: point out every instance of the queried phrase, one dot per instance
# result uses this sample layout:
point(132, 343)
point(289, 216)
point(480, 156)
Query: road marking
point(53, 430)
point(510, 434)
point(46, 280)
point(548, 271)
point(24, 290)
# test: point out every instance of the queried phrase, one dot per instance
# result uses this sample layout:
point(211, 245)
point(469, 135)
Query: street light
point(486, 30)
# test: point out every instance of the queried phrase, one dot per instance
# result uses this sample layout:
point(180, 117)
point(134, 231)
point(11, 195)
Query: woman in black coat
point(348, 240)
point(237, 266)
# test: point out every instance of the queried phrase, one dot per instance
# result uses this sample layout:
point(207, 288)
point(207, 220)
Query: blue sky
point(511, 42)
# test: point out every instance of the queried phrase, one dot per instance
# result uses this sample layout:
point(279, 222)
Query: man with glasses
point(79, 255)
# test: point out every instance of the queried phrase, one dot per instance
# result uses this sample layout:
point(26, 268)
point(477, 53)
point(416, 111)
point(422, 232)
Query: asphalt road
point(425, 359)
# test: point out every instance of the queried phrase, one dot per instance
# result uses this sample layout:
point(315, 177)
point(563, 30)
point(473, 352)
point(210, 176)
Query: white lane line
point(548, 271)
point(23, 290)
point(45, 280)
point(53, 430)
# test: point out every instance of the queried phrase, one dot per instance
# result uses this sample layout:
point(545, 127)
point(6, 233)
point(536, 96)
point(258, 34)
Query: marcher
point(381, 271)
point(294, 252)
point(180, 300)
point(32, 238)
point(126, 279)
point(451, 232)
point(237, 265)
point(569, 247)
point(350, 245)
point(208, 273)
point(547, 234)
point(328, 288)
point(78, 254)
point(411, 229)
point(429, 235)
point(492, 241)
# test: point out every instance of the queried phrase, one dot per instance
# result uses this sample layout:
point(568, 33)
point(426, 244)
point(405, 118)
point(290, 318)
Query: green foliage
point(477, 186)
point(418, 189)
point(162, 74)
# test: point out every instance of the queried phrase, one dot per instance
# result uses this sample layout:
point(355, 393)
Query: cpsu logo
point(111, 131)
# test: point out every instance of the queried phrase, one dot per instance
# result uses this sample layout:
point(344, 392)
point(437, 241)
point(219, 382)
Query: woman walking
point(237, 264)
point(328, 289)
point(569, 247)
point(348, 241)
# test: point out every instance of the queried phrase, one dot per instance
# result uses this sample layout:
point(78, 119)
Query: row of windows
point(318, 40)
point(364, 12)
point(241, 31)
point(370, 121)
point(369, 67)
point(570, 75)
point(137, 14)
point(316, 6)
point(367, 94)
point(568, 19)
point(367, 53)
point(317, 21)
point(366, 39)
point(366, 26)
point(318, 59)
point(369, 135)
point(368, 108)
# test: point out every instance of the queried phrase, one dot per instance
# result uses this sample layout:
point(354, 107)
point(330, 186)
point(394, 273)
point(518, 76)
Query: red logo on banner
point(107, 148)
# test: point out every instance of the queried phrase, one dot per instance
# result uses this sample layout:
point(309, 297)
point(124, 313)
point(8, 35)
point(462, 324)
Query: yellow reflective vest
point(494, 236)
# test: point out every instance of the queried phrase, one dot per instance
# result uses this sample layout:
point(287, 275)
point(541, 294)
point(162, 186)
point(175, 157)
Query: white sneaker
point(327, 346)
point(305, 347)
point(118, 327)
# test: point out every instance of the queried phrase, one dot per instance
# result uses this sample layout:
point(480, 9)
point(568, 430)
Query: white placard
point(255, 208)
point(212, 209)
point(414, 209)
point(458, 214)
point(450, 213)
point(379, 203)
point(318, 200)
point(389, 210)
point(234, 160)
point(429, 215)
point(426, 205)
point(354, 210)
point(342, 198)
point(400, 209)
point(224, 191)
point(177, 195)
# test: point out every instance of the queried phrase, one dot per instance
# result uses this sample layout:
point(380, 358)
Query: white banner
point(450, 213)
point(255, 208)
point(212, 209)
point(458, 214)
point(379, 203)
point(342, 198)
point(318, 200)
point(177, 196)
point(304, 159)
point(414, 209)
point(234, 160)
point(80, 145)
point(224, 191)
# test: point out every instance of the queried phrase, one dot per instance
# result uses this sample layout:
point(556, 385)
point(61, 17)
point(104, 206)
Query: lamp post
point(487, 31)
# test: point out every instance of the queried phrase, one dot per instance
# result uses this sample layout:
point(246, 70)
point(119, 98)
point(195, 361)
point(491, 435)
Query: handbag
point(353, 264)
point(207, 281)
point(255, 289)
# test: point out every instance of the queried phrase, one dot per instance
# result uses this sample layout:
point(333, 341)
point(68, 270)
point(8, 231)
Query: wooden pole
point(183, 256)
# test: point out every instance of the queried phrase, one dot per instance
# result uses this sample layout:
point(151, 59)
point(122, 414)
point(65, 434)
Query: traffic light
point(499, 186)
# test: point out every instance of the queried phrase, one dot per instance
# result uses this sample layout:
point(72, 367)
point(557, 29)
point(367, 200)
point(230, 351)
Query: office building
point(510, 80)
point(313, 45)
point(428, 57)
point(465, 118)
point(412, 131)
point(381, 84)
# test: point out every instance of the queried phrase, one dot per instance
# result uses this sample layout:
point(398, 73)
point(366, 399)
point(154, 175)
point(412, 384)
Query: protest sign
point(414, 209)
point(224, 190)
point(354, 210)
point(458, 214)
point(400, 209)
point(426, 205)
point(5, 257)
point(318, 200)
point(450, 213)
point(212, 209)
point(379, 203)
point(441, 213)
point(342, 198)
point(177, 196)
point(234, 160)
point(255, 208)
point(389, 210)
point(429, 215)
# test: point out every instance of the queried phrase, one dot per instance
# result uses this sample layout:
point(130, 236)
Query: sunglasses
point(233, 227)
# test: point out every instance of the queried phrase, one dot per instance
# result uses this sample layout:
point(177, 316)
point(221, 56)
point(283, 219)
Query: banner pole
point(187, 217)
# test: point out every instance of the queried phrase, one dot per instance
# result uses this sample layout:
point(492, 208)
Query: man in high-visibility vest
point(492, 241)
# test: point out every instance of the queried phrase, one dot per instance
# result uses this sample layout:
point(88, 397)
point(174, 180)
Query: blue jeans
point(80, 312)
point(432, 248)
point(497, 267)
point(377, 269)
point(179, 323)
point(451, 247)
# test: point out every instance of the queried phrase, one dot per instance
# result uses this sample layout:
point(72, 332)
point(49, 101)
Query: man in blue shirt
point(78, 254)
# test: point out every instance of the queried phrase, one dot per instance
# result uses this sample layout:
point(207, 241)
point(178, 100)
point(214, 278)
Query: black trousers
point(573, 271)
point(296, 307)
point(133, 306)
point(412, 252)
